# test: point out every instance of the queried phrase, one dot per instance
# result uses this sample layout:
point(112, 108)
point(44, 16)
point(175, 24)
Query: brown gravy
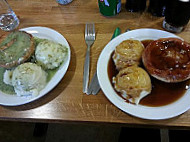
point(162, 93)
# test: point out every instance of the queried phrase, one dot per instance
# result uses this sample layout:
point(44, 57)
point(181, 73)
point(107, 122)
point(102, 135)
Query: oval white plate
point(145, 112)
point(46, 33)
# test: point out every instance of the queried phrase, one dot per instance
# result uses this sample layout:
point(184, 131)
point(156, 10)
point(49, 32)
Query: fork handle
point(94, 86)
point(86, 70)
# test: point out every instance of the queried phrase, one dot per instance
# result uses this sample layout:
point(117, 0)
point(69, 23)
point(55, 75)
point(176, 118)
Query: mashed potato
point(133, 83)
point(50, 54)
point(28, 79)
point(128, 53)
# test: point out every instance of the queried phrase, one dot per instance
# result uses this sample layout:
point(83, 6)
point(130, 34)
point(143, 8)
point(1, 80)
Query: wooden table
point(66, 102)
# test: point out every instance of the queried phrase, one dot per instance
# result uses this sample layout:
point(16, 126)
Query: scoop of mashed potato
point(50, 54)
point(128, 53)
point(28, 79)
point(133, 83)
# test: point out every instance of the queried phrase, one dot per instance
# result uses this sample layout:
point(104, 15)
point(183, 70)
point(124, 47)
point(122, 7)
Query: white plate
point(145, 112)
point(46, 33)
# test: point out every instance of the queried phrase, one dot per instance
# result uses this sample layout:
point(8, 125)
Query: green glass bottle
point(109, 7)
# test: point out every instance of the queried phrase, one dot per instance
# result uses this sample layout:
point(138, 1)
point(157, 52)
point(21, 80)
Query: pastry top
point(128, 53)
point(16, 48)
point(168, 59)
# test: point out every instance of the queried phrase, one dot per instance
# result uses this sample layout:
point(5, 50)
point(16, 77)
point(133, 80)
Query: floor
point(31, 132)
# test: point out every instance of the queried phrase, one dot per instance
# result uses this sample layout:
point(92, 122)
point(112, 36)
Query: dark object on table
point(177, 15)
point(157, 7)
point(135, 5)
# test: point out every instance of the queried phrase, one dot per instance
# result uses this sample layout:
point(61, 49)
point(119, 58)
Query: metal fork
point(89, 38)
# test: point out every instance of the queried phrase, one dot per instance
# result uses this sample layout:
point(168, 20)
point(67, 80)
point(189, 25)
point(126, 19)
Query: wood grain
point(66, 102)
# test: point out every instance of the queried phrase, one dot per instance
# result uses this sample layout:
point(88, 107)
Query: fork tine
point(87, 29)
point(90, 29)
point(86, 26)
point(93, 31)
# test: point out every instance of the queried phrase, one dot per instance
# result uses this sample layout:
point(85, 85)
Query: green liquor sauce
point(51, 73)
point(8, 89)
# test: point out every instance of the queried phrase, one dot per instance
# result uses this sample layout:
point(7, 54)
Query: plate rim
point(45, 91)
point(135, 110)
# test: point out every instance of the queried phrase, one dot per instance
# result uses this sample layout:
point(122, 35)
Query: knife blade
point(94, 86)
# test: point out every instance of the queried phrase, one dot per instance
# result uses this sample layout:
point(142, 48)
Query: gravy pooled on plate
point(162, 93)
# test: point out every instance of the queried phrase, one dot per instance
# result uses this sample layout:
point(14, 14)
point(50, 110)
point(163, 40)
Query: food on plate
point(168, 59)
point(133, 83)
point(7, 77)
point(50, 54)
point(16, 48)
point(128, 53)
point(27, 79)
point(28, 63)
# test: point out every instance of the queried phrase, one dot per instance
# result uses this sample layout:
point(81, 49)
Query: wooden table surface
point(66, 102)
